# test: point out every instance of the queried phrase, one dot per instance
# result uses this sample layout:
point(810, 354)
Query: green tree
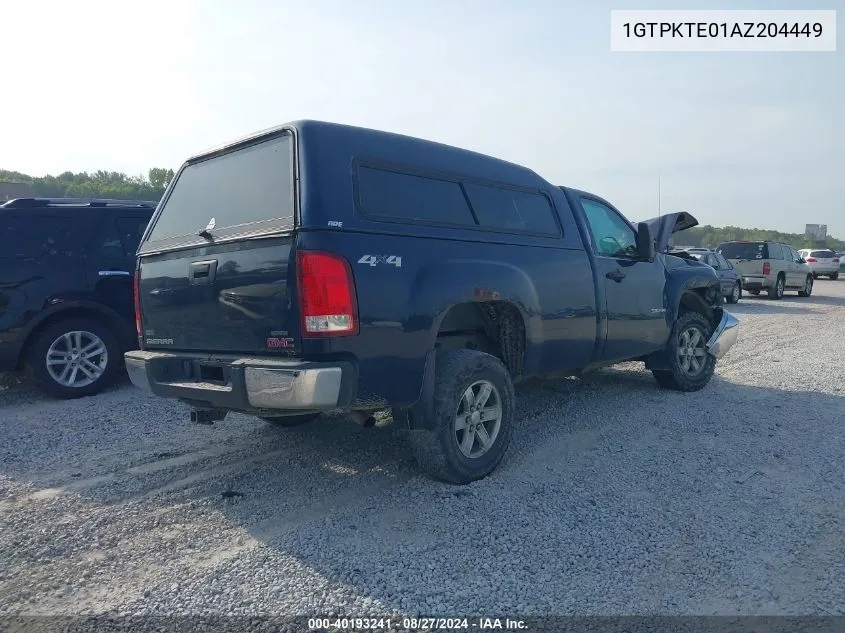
point(160, 178)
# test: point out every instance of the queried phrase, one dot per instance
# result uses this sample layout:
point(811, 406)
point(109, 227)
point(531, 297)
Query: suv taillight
point(810, 260)
point(136, 291)
point(767, 268)
point(326, 294)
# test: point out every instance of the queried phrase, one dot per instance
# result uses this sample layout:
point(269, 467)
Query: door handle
point(202, 272)
point(115, 273)
point(616, 275)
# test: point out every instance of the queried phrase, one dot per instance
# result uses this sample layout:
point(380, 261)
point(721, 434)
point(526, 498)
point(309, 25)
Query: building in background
point(816, 231)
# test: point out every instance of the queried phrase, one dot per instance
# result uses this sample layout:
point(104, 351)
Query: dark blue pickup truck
point(317, 267)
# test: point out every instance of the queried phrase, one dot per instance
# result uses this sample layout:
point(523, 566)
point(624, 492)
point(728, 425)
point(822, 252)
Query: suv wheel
point(808, 287)
point(834, 276)
point(291, 420)
point(776, 291)
point(691, 367)
point(473, 418)
point(74, 358)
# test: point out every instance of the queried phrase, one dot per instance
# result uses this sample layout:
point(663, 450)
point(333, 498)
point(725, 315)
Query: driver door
point(634, 289)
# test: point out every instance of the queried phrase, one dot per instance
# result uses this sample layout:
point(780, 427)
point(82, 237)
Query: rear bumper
point(724, 336)
point(755, 282)
point(243, 384)
point(826, 269)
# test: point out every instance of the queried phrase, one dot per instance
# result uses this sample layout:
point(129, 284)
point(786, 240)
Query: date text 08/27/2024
point(415, 624)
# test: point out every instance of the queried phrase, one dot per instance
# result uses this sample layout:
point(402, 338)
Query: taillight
point(810, 260)
point(835, 260)
point(767, 268)
point(136, 291)
point(326, 294)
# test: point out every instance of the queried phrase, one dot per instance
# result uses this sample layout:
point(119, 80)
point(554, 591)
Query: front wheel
point(808, 287)
point(473, 411)
point(74, 358)
point(690, 365)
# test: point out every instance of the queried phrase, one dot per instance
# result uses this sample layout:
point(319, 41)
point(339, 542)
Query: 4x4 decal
point(374, 260)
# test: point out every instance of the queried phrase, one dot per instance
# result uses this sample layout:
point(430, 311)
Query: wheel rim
point(77, 359)
point(736, 293)
point(779, 288)
point(478, 419)
point(691, 351)
point(808, 287)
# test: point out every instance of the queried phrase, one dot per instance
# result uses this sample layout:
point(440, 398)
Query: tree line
point(99, 184)
point(711, 236)
point(113, 184)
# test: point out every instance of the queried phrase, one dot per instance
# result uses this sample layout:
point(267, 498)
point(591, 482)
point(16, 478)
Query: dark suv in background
point(66, 303)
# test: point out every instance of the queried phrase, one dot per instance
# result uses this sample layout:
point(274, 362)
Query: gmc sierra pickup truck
point(320, 267)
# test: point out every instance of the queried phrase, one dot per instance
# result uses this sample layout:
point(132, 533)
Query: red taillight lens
point(326, 294)
point(767, 268)
point(810, 260)
point(136, 291)
point(835, 260)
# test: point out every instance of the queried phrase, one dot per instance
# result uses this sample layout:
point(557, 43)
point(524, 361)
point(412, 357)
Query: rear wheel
point(776, 291)
point(834, 276)
point(736, 293)
point(74, 358)
point(690, 366)
point(473, 418)
point(808, 287)
point(291, 420)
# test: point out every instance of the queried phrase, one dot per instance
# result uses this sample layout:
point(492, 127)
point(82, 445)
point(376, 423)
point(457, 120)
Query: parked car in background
point(729, 276)
point(822, 262)
point(359, 270)
point(769, 266)
point(66, 305)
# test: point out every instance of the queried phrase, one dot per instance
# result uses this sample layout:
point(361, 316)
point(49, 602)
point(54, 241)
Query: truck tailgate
point(221, 298)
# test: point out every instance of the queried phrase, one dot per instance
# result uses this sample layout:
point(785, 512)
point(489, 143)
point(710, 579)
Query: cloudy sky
point(754, 139)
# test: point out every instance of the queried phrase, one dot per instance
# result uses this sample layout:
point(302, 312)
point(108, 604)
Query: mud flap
point(420, 415)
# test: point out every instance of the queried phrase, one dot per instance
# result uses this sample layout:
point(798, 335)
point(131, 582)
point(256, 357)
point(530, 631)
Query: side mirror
point(645, 242)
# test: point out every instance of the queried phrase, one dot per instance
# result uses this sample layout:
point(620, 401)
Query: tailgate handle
point(202, 272)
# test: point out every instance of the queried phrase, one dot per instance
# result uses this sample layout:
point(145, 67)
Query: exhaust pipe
point(365, 419)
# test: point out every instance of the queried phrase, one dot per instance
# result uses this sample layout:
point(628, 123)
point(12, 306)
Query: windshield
point(239, 188)
point(743, 250)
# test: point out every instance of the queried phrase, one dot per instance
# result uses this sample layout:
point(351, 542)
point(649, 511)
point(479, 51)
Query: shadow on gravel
point(610, 482)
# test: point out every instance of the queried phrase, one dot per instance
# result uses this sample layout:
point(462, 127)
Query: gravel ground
point(616, 497)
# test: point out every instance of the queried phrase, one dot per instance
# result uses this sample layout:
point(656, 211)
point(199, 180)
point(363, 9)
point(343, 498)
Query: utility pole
point(658, 195)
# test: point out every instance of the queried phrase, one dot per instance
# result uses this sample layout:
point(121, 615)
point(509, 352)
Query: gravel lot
point(615, 498)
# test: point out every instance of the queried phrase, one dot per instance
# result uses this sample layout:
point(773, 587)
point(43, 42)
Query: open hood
point(665, 226)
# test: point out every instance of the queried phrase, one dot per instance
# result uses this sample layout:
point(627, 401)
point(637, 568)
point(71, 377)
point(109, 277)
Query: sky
point(743, 139)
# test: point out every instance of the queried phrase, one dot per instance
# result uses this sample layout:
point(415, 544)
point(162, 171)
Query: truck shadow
point(601, 470)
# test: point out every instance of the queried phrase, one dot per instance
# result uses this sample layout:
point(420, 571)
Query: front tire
point(776, 291)
point(690, 365)
point(808, 287)
point(74, 358)
point(473, 411)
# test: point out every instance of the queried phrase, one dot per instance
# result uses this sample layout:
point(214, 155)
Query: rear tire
point(690, 366)
point(834, 276)
point(288, 421)
point(808, 287)
point(736, 294)
point(776, 291)
point(473, 418)
point(84, 357)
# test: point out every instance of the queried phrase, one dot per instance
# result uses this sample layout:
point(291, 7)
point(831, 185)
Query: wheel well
point(696, 300)
point(63, 315)
point(494, 327)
